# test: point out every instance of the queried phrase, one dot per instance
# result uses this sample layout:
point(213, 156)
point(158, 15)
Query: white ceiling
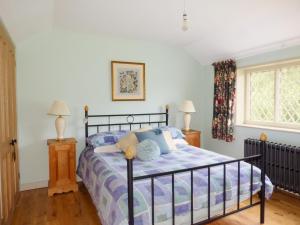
point(218, 28)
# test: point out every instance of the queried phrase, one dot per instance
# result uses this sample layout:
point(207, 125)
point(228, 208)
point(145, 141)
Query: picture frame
point(128, 81)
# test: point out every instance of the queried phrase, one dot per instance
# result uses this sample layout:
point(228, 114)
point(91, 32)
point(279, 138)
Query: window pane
point(262, 96)
point(290, 95)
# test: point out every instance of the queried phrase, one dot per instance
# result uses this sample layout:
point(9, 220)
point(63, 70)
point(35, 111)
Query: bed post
point(167, 115)
point(263, 138)
point(86, 114)
point(129, 155)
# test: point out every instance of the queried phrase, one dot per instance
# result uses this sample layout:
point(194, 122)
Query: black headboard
point(144, 119)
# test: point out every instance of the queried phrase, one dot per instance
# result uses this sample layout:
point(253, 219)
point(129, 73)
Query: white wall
point(235, 148)
point(76, 68)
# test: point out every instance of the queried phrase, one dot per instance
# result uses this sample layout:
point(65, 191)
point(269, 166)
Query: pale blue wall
point(235, 148)
point(76, 68)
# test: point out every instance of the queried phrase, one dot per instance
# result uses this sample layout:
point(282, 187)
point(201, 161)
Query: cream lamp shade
point(187, 107)
point(59, 109)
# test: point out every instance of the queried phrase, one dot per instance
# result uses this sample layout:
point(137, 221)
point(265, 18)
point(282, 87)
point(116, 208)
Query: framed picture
point(128, 81)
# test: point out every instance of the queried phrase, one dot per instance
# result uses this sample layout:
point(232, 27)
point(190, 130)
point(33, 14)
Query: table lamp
point(59, 109)
point(187, 107)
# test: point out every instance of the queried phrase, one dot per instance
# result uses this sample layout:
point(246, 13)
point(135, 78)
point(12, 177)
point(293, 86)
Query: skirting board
point(38, 184)
point(34, 185)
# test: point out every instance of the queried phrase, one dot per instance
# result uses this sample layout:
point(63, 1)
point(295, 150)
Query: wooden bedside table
point(62, 166)
point(193, 137)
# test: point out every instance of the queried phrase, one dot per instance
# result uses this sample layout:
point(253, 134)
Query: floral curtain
point(224, 99)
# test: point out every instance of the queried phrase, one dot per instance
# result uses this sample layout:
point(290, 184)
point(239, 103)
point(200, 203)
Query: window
point(270, 95)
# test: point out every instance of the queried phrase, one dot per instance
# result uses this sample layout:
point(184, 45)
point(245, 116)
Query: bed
point(188, 186)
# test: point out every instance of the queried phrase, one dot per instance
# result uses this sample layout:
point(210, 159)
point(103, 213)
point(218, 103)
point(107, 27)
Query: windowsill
point(269, 128)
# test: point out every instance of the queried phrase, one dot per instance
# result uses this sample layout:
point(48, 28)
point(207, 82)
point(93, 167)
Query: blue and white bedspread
point(104, 175)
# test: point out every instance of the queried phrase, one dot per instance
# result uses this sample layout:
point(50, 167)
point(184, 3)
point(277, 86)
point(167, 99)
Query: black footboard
point(261, 158)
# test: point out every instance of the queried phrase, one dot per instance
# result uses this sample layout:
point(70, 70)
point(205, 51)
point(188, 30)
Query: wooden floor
point(35, 208)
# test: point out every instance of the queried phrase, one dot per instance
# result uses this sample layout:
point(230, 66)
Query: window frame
point(243, 95)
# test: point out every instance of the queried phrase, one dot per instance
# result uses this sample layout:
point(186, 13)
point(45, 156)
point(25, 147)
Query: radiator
point(282, 163)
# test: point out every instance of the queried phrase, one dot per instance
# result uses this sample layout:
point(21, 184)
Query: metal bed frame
point(261, 158)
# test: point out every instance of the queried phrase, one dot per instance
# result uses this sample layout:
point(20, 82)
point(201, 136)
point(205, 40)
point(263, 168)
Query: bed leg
point(130, 192)
point(86, 117)
point(263, 140)
point(262, 206)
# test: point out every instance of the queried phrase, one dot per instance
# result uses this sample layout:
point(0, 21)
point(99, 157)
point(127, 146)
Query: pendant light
point(185, 25)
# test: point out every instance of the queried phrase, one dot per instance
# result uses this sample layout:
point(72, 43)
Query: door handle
point(13, 142)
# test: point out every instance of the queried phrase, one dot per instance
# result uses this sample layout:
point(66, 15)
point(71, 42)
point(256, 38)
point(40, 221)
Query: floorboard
point(35, 208)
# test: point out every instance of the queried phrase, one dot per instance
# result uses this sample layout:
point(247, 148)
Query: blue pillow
point(175, 132)
point(105, 138)
point(157, 136)
point(147, 150)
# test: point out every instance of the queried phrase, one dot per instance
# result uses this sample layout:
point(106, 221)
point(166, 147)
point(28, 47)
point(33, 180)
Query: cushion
point(147, 150)
point(126, 141)
point(175, 132)
point(105, 138)
point(157, 136)
point(169, 140)
point(130, 139)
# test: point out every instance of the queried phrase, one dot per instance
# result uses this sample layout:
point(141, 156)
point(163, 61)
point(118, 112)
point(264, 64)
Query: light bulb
point(185, 25)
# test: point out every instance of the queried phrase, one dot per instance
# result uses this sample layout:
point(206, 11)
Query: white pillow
point(179, 141)
point(169, 140)
point(107, 149)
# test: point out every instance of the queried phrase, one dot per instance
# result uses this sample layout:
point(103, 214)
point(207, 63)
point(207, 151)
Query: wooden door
point(9, 166)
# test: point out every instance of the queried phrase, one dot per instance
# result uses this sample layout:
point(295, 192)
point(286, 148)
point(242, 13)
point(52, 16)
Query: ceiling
point(219, 29)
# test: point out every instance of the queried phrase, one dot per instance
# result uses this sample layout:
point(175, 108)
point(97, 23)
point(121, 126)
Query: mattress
point(104, 175)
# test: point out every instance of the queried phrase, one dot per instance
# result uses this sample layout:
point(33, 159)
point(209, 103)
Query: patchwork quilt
point(104, 175)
